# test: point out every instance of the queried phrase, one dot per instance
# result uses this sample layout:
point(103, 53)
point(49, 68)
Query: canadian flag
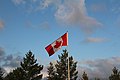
point(57, 44)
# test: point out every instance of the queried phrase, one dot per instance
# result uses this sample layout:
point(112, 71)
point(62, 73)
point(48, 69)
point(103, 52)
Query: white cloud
point(101, 68)
point(94, 40)
point(8, 69)
point(47, 3)
point(1, 24)
point(18, 2)
point(45, 74)
point(9, 62)
point(74, 13)
point(12, 61)
point(68, 12)
point(35, 5)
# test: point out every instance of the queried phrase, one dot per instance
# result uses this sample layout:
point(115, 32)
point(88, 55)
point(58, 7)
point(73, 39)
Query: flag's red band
point(57, 44)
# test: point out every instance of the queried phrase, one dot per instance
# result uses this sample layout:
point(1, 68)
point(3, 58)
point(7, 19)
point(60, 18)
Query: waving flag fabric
point(57, 44)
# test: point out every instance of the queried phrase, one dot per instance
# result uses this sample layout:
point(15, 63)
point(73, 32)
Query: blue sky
point(93, 28)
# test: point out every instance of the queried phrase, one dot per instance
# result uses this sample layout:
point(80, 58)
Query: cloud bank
point(68, 12)
point(101, 68)
point(94, 40)
point(18, 2)
point(9, 62)
point(75, 13)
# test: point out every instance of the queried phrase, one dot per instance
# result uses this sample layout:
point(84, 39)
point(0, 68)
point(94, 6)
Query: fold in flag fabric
point(57, 44)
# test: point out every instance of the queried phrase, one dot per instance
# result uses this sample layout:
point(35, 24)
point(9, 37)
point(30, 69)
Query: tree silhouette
point(1, 74)
point(62, 67)
point(31, 68)
point(115, 75)
point(84, 76)
point(51, 72)
point(97, 79)
point(17, 74)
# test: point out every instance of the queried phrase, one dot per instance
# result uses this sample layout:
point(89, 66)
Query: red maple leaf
point(58, 44)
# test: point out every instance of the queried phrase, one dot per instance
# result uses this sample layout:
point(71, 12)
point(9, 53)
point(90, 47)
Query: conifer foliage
point(61, 67)
point(31, 68)
point(17, 74)
point(115, 75)
point(1, 74)
point(84, 76)
point(51, 72)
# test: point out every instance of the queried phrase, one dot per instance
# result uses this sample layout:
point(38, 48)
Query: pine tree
point(10, 76)
point(1, 74)
point(84, 76)
point(31, 68)
point(73, 72)
point(17, 74)
point(51, 72)
point(97, 79)
point(62, 67)
point(115, 75)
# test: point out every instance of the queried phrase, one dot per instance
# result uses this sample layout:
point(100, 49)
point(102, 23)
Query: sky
point(93, 28)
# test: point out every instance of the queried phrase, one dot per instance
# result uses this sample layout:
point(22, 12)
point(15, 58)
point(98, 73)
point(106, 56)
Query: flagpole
point(68, 68)
point(68, 65)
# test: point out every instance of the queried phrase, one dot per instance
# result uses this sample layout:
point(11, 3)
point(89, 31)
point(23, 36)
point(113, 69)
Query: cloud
point(44, 72)
point(67, 12)
point(47, 3)
point(44, 25)
point(9, 61)
point(9, 57)
point(1, 24)
point(35, 5)
point(101, 68)
point(2, 53)
point(94, 40)
point(98, 7)
point(18, 2)
point(29, 24)
point(27, 5)
point(12, 61)
point(74, 13)
point(8, 69)
point(41, 4)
